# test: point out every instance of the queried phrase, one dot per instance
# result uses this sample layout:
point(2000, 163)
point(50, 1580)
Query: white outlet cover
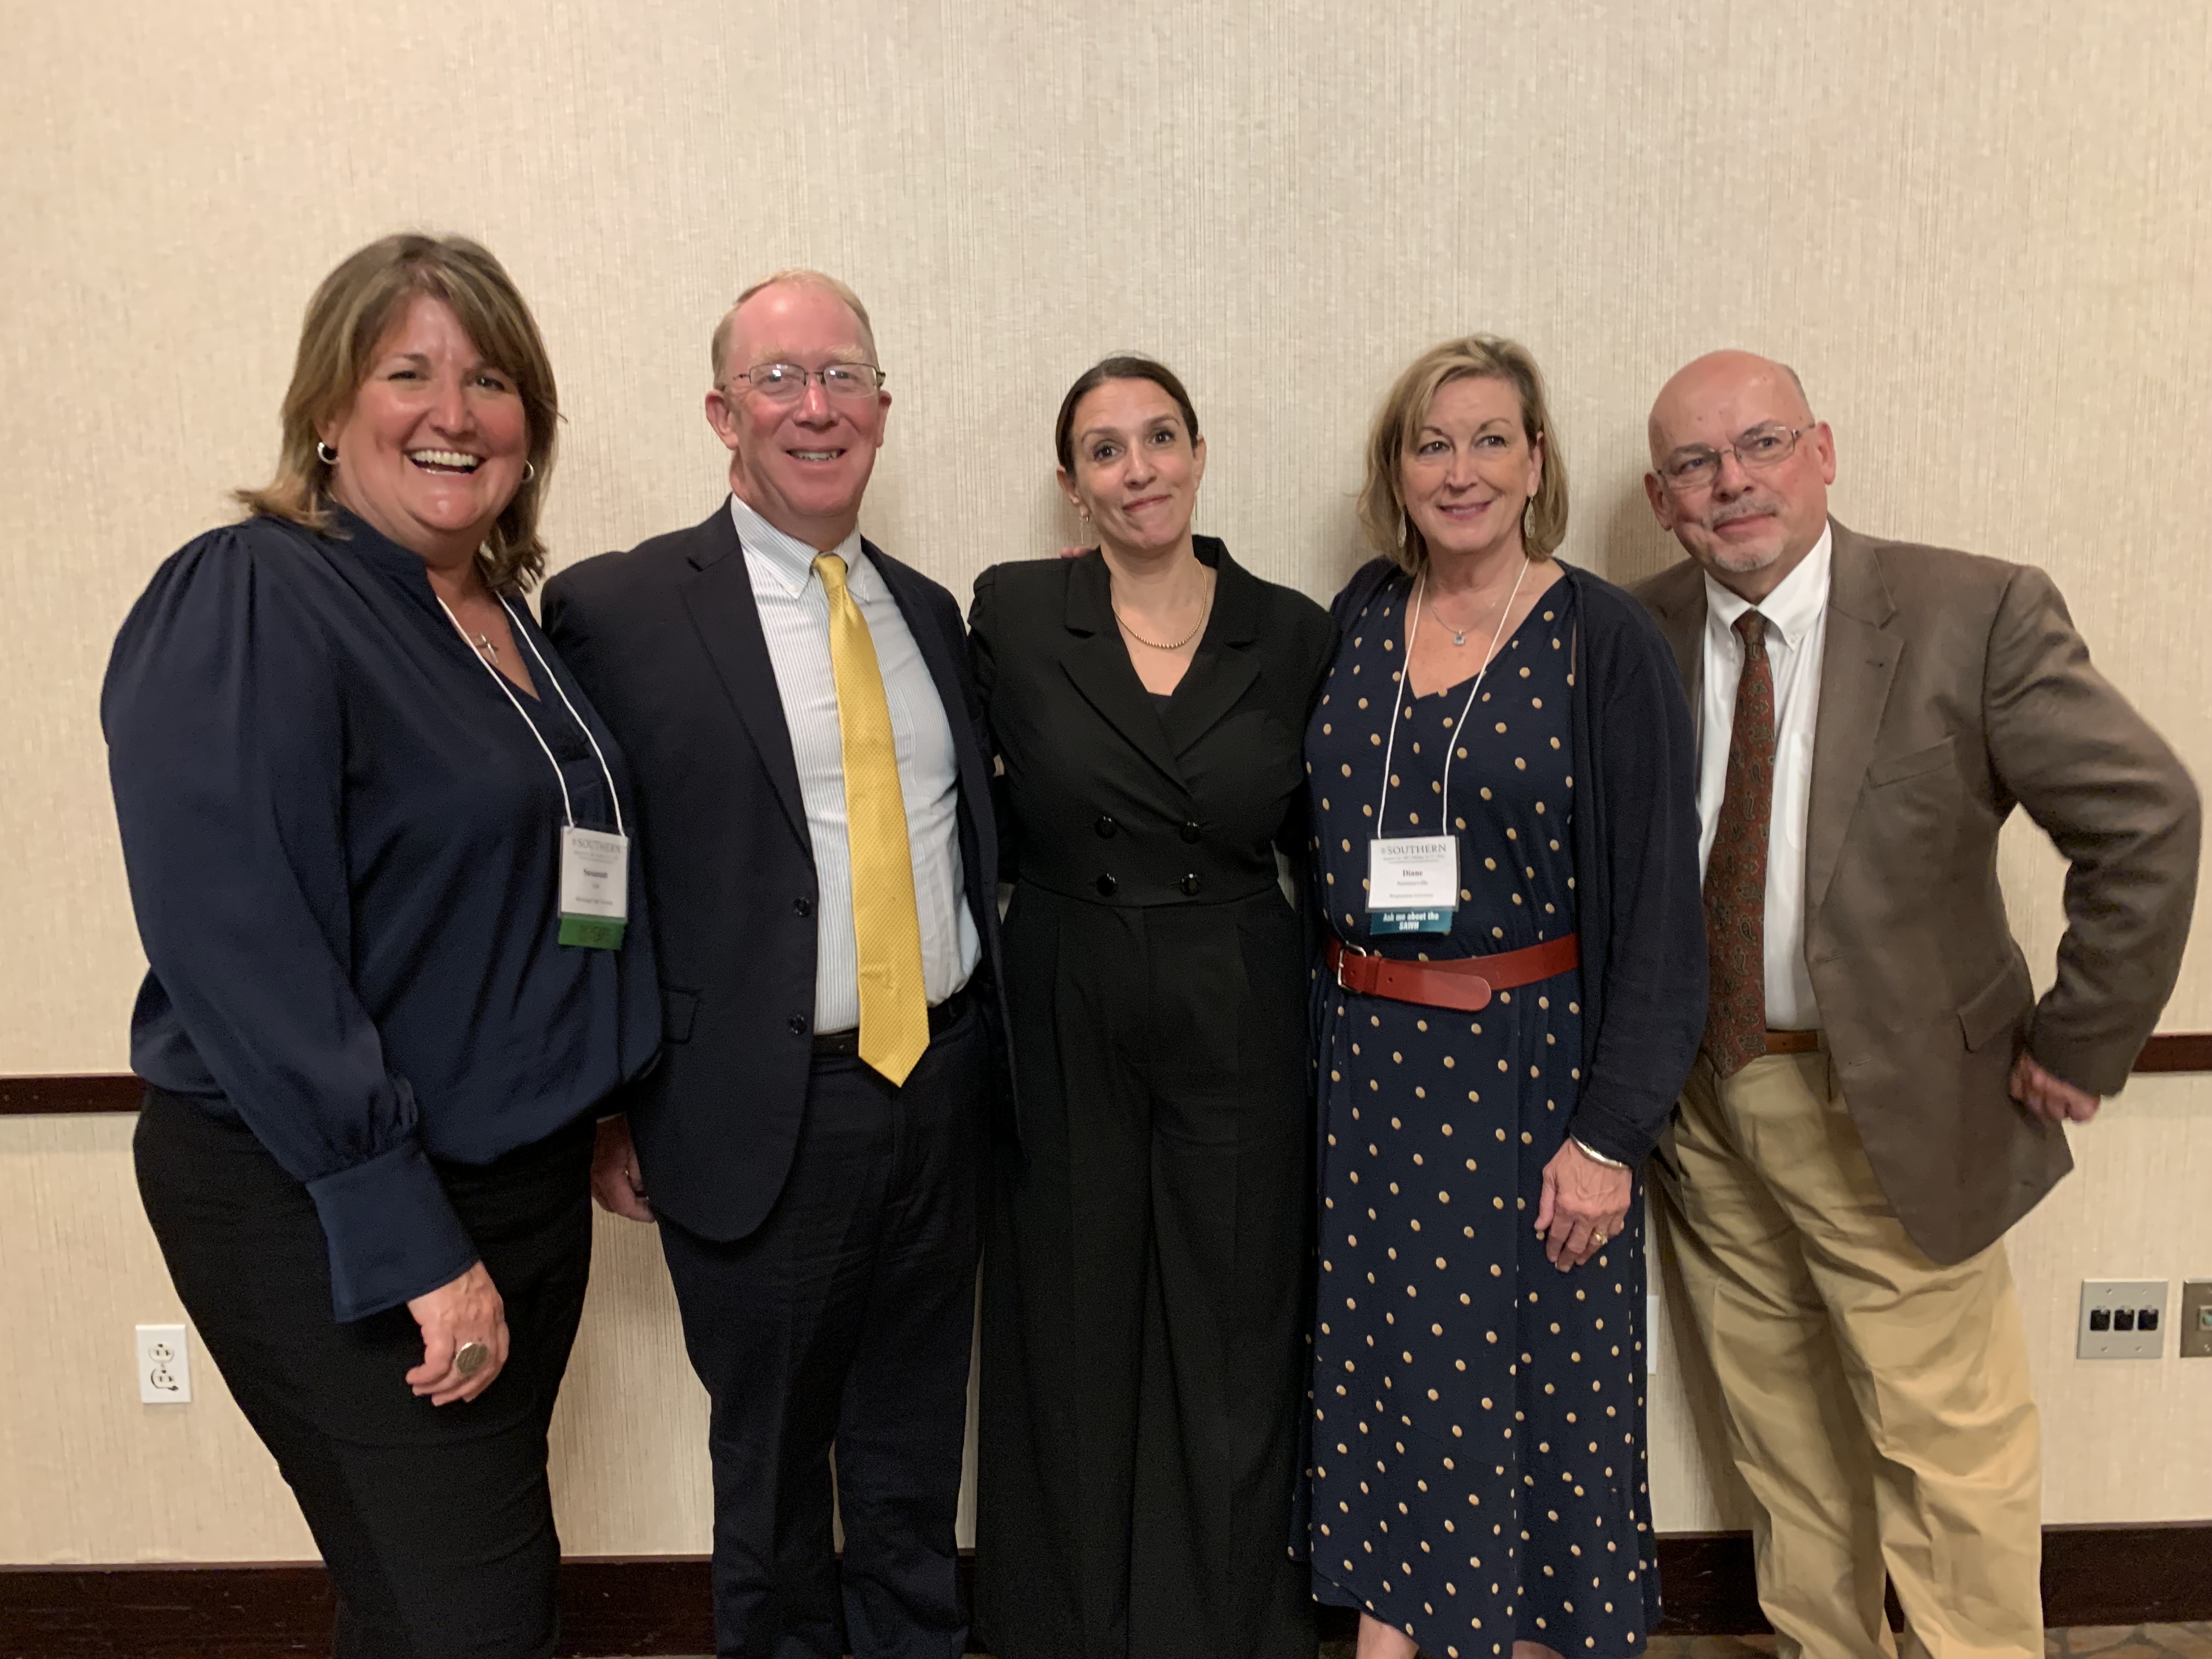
point(165, 1366)
point(2112, 1295)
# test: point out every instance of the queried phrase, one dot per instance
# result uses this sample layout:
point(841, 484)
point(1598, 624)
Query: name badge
point(594, 889)
point(1412, 883)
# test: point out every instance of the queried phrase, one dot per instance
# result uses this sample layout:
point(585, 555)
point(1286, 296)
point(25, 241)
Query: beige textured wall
point(1982, 231)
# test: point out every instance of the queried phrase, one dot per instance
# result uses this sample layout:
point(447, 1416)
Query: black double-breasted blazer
point(667, 640)
point(1124, 801)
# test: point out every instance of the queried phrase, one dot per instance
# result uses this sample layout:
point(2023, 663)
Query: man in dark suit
point(814, 819)
point(1880, 1094)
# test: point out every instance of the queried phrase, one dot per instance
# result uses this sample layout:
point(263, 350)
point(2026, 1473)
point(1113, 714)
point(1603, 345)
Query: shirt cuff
point(391, 1231)
point(1599, 1129)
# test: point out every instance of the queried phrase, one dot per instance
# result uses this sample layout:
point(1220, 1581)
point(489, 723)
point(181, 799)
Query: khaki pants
point(1876, 1403)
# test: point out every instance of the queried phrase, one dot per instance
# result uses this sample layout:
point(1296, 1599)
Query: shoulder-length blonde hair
point(1383, 510)
point(349, 313)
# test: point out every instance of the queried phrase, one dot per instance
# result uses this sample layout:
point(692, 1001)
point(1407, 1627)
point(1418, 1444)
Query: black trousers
point(846, 1320)
point(436, 1522)
point(1146, 1289)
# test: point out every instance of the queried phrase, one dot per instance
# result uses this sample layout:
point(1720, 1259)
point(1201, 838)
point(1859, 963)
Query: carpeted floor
point(2105, 1642)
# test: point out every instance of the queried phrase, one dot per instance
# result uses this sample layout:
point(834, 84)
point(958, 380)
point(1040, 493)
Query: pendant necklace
point(489, 652)
point(1459, 635)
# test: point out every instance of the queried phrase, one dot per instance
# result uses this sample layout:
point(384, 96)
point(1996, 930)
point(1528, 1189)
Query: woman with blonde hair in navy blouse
point(1502, 789)
point(376, 842)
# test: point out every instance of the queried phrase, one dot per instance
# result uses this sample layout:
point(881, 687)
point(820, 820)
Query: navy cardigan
point(1640, 902)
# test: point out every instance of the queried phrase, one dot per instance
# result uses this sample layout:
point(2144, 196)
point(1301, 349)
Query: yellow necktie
point(886, 927)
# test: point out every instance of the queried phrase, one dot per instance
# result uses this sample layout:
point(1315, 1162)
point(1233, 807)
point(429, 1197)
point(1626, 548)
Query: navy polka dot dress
point(1478, 1436)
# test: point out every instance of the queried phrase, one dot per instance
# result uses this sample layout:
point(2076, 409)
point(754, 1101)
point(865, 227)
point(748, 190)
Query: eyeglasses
point(786, 383)
point(1759, 450)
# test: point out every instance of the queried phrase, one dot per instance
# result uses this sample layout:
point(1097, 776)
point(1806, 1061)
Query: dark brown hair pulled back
point(1125, 366)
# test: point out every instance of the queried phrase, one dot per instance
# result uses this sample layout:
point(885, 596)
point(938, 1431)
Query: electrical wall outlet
point(165, 1368)
point(2122, 1319)
point(2194, 1322)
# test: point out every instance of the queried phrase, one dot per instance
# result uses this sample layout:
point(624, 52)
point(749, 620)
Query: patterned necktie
point(1735, 874)
point(886, 927)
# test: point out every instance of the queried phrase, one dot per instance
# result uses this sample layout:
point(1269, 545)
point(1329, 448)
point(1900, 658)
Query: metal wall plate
point(2194, 1322)
point(2114, 1313)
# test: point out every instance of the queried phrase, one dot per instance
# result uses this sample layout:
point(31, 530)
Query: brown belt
point(1464, 983)
point(1794, 1042)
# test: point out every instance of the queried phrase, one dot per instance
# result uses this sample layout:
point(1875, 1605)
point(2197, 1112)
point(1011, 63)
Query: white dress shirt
point(1796, 615)
point(794, 613)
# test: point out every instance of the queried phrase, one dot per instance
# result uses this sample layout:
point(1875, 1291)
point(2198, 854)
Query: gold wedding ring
point(1597, 1238)
point(470, 1359)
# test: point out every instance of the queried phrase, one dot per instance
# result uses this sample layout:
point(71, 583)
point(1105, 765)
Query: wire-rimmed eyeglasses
point(1759, 450)
point(786, 383)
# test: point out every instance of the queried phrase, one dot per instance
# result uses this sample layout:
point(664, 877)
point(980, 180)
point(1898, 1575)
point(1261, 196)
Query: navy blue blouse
point(344, 848)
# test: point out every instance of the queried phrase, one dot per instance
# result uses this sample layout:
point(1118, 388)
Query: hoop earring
point(529, 471)
point(326, 455)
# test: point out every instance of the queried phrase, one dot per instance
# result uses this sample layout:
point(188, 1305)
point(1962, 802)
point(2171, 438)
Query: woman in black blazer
point(1143, 1281)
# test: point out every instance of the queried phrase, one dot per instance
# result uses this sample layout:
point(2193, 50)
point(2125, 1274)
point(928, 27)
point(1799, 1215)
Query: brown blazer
point(1953, 688)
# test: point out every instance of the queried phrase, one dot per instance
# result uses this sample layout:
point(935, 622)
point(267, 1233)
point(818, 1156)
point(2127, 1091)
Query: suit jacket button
point(804, 906)
point(1191, 831)
point(1105, 826)
point(798, 1022)
point(1106, 885)
point(1189, 885)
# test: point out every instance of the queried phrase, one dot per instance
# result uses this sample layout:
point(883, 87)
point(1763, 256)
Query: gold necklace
point(1154, 644)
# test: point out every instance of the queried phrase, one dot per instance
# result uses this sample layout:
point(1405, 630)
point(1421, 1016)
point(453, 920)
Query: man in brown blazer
point(1880, 1094)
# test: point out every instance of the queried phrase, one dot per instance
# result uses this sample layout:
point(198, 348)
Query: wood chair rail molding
point(2119, 1575)
point(112, 1091)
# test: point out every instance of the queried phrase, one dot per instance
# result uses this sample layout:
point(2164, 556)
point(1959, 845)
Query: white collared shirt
point(1796, 615)
point(794, 613)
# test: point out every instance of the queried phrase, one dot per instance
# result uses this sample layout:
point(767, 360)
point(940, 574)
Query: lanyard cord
point(613, 799)
point(567, 812)
point(1412, 623)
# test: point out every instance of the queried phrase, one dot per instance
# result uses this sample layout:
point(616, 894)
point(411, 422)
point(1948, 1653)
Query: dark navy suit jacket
point(667, 640)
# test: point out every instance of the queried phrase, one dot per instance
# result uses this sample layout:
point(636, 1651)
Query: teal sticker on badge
point(1409, 921)
point(593, 932)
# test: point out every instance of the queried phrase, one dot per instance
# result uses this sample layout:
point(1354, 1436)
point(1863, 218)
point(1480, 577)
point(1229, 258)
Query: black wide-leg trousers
point(845, 1319)
point(435, 1522)
point(1146, 1288)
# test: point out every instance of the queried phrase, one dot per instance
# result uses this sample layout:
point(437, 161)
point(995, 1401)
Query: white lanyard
point(1390, 747)
point(567, 812)
point(594, 893)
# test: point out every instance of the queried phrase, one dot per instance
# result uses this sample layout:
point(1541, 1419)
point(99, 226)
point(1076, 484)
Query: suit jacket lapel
point(945, 670)
point(1226, 665)
point(1098, 663)
point(1858, 661)
point(1680, 610)
point(720, 600)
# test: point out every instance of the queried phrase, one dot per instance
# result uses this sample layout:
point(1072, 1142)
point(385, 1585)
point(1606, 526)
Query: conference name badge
point(594, 889)
point(1412, 883)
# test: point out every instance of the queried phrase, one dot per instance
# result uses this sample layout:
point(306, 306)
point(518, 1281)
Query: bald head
point(1720, 374)
point(719, 351)
point(1740, 469)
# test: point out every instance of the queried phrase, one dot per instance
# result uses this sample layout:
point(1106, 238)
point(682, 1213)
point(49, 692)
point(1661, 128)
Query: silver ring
point(470, 1359)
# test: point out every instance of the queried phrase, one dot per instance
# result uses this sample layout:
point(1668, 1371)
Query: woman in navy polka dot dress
point(1477, 1478)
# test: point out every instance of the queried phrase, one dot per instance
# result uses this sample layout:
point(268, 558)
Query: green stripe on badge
point(593, 932)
